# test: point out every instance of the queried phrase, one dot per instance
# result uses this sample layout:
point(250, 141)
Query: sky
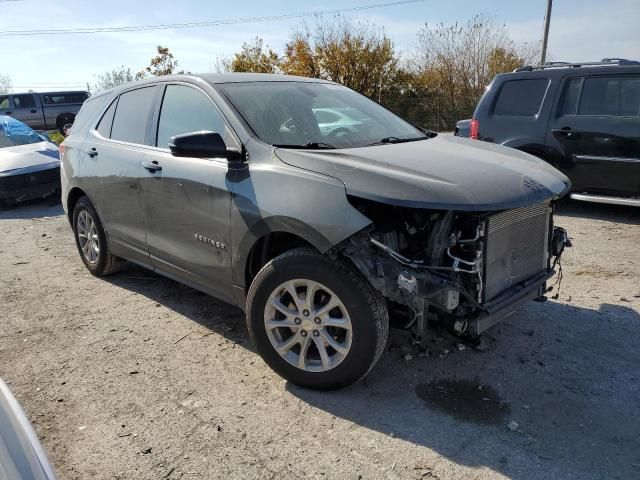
point(581, 30)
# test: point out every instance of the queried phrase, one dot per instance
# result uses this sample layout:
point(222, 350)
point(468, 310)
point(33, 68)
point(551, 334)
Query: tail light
point(474, 128)
point(61, 150)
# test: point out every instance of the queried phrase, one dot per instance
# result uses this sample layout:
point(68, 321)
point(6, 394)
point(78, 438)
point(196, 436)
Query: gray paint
point(151, 218)
point(41, 116)
point(445, 172)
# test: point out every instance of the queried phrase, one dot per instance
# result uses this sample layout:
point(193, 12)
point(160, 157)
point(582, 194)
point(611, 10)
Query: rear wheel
point(91, 240)
point(64, 120)
point(316, 321)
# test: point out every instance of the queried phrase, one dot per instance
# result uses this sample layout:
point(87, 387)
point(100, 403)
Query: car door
point(597, 130)
point(112, 167)
point(187, 200)
point(27, 110)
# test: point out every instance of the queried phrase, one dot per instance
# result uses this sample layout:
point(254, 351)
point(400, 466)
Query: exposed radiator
point(516, 247)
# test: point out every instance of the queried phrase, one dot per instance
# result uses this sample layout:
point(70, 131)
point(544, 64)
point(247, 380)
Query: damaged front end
point(464, 270)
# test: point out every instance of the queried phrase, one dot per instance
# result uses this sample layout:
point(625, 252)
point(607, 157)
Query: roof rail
point(605, 61)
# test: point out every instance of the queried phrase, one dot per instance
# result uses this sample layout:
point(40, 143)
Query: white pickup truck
point(43, 111)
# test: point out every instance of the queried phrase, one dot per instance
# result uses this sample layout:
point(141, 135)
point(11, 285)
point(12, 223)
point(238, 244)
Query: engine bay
point(433, 264)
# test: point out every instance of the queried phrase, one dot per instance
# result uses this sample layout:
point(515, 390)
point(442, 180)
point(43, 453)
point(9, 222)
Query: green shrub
point(55, 136)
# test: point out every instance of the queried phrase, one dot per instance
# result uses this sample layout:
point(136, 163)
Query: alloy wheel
point(88, 237)
point(308, 325)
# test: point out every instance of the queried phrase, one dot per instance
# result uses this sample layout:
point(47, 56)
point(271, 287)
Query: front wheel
point(316, 321)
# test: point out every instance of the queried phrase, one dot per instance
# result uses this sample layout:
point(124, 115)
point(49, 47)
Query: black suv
point(582, 118)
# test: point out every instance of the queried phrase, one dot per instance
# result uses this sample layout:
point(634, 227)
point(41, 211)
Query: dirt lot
point(138, 377)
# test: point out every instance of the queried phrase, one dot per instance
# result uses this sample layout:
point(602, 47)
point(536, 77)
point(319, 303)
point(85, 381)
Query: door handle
point(152, 166)
point(567, 132)
point(93, 152)
point(34, 111)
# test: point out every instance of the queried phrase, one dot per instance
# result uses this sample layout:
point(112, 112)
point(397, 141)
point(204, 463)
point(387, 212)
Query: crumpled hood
point(445, 172)
point(28, 158)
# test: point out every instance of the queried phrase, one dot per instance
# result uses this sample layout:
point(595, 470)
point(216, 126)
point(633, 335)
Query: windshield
point(316, 115)
point(14, 133)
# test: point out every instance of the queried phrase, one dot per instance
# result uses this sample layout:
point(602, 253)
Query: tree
point(162, 64)
point(115, 77)
point(457, 62)
point(254, 57)
point(5, 83)
point(299, 57)
point(358, 55)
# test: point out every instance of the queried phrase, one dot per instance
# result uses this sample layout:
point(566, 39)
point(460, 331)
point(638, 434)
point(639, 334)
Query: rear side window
point(611, 96)
point(570, 95)
point(521, 98)
point(24, 101)
point(64, 98)
point(132, 114)
point(4, 101)
point(88, 112)
point(185, 110)
point(104, 127)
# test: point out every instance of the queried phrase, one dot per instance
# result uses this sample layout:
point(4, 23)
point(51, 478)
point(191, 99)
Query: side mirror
point(202, 144)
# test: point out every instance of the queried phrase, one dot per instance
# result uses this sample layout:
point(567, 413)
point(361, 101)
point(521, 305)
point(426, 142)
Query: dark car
point(582, 118)
point(315, 234)
point(29, 163)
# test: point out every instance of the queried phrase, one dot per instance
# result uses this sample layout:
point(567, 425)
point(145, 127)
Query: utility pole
point(547, 19)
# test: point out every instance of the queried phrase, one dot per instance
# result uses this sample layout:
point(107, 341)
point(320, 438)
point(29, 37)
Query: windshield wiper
point(399, 140)
point(309, 146)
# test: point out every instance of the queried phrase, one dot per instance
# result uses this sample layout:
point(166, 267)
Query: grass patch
point(55, 136)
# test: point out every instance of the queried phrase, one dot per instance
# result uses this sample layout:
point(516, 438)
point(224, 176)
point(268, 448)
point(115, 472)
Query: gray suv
point(227, 183)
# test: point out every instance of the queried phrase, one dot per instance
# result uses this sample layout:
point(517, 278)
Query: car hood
point(444, 172)
point(26, 158)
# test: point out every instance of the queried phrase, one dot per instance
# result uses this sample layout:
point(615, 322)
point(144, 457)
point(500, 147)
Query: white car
point(21, 454)
point(29, 163)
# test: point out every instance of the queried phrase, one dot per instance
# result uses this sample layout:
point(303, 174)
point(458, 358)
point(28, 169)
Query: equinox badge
point(208, 241)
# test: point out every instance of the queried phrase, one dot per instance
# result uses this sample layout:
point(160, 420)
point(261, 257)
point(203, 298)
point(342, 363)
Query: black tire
point(366, 309)
point(106, 263)
point(64, 120)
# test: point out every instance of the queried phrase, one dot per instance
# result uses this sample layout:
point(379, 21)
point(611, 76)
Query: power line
point(48, 83)
point(209, 23)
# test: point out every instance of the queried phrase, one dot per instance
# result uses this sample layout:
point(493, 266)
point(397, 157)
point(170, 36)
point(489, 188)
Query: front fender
point(278, 198)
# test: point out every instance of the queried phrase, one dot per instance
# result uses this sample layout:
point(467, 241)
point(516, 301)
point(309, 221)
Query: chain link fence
point(428, 112)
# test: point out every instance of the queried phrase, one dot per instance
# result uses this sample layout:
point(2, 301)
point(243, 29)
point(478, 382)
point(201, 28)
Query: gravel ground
point(138, 377)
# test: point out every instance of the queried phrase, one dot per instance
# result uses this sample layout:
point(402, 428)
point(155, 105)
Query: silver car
point(21, 454)
point(29, 163)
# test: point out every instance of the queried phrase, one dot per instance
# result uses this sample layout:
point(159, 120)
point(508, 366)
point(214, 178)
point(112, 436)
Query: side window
point(64, 98)
point(4, 101)
point(323, 116)
point(616, 96)
point(24, 101)
point(104, 127)
point(570, 95)
point(184, 110)
point(132, 114)
point(521, 98)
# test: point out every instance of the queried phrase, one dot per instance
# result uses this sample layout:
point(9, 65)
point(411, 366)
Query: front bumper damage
point(29, 183)
point(474, 278)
